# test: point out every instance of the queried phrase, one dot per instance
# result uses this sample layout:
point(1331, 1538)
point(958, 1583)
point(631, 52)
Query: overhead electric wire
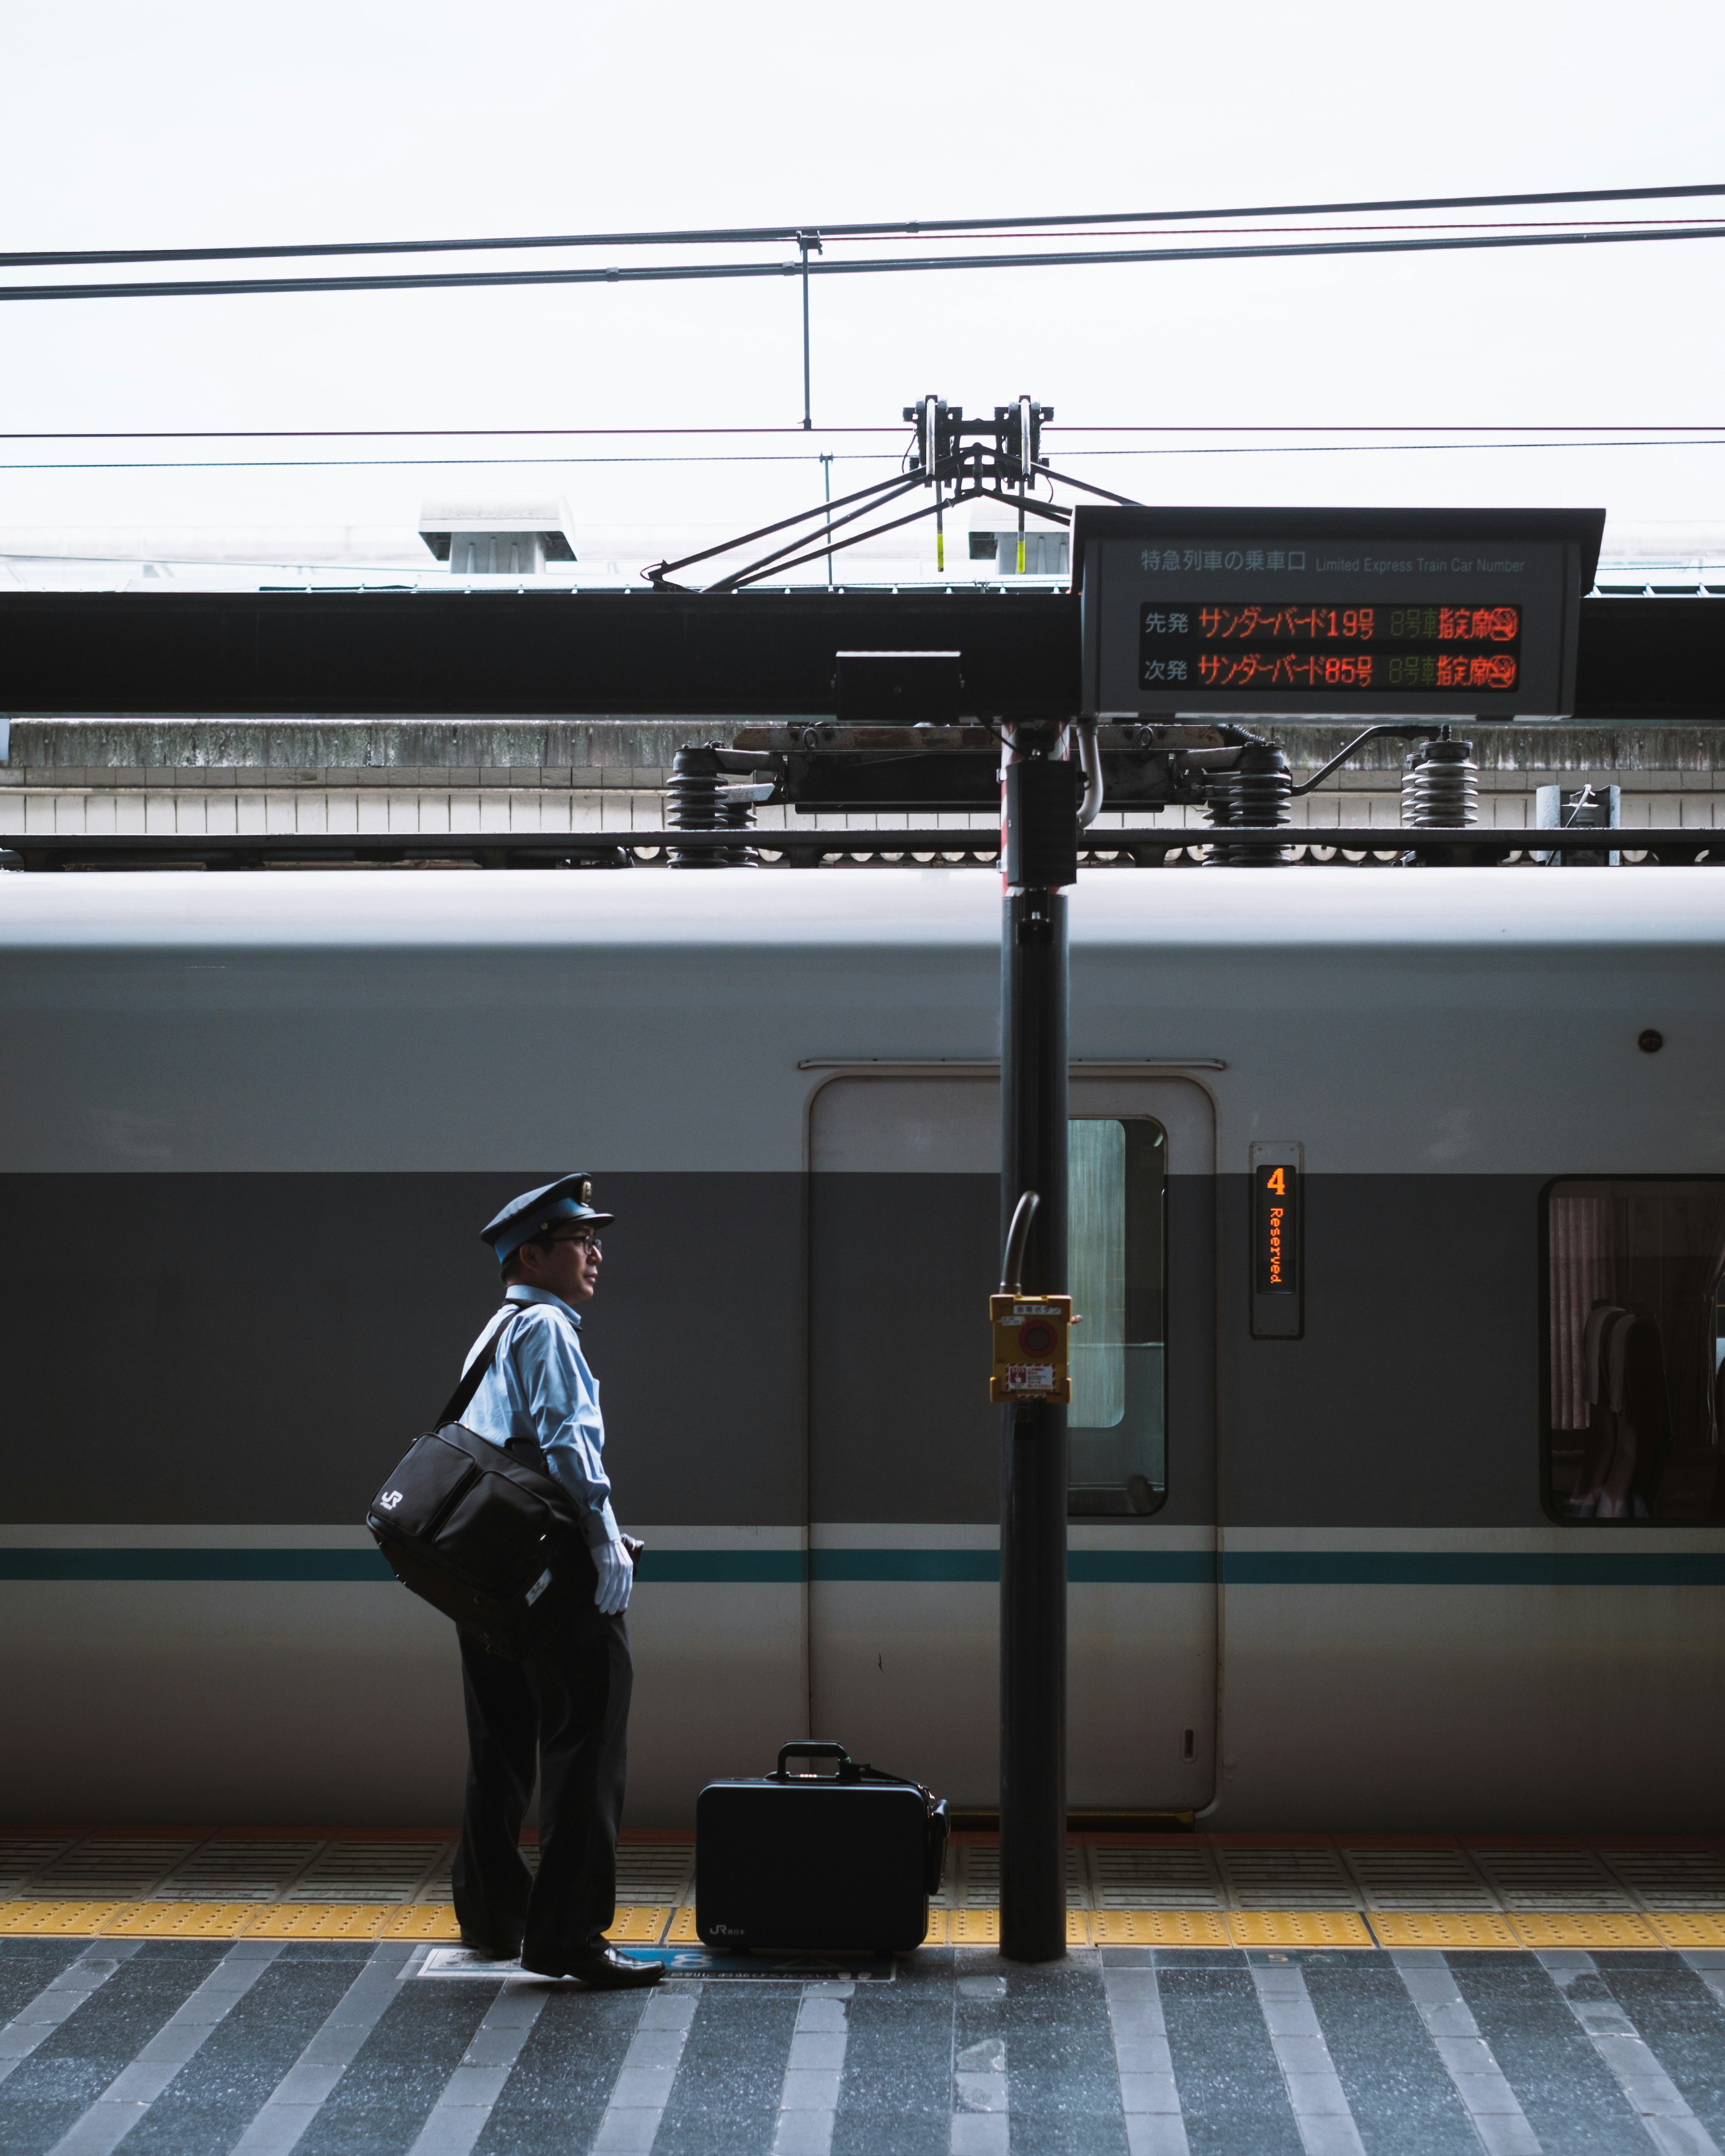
point(884, 265)
point(741, 235)
point(858, 456)
point(558, 434)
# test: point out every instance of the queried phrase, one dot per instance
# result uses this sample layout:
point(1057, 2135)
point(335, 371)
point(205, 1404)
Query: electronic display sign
point(1446, 612)
point(1276, 1223)
point(1277, 1255)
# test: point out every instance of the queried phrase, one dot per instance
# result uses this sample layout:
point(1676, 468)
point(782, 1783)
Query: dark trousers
point(565, 1715)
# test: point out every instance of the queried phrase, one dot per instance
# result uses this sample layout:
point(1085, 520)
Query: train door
point(904, 1446)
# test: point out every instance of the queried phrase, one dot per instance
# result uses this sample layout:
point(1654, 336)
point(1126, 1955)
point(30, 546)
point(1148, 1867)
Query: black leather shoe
point(489, 1949)
point(607, 1970)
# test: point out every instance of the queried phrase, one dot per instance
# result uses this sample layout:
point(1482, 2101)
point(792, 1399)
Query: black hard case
point(839, 1862)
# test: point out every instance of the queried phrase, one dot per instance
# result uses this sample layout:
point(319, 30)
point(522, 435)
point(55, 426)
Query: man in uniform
point(564, 1711)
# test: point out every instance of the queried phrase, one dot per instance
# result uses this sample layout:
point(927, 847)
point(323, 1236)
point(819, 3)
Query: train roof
point(645, 908)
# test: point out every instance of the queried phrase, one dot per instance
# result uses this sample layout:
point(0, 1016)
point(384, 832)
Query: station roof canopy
point(762, 652)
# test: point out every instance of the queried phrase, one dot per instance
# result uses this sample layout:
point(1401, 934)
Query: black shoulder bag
point(484, 1533)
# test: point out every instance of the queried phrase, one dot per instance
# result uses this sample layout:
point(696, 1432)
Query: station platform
point(171, 1994)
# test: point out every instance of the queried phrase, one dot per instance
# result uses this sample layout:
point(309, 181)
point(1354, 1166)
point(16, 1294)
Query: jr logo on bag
point(388, 1501)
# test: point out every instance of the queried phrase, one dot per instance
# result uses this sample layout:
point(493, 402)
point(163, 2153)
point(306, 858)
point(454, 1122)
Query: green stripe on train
point(1474, 1568)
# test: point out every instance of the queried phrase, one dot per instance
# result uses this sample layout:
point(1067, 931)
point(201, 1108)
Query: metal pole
point(1033, 1506)
point(805, 241)
point(826, 472)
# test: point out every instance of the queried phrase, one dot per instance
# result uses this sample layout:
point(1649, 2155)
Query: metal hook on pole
point(1012, 1264)
point(1090, 763)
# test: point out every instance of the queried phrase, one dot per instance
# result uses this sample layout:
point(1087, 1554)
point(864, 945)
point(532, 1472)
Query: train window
point(1115, 1188)
point(1635, 1339)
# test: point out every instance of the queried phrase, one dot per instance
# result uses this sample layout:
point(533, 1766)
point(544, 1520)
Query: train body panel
point(1454, 1023)
point(251, 1125)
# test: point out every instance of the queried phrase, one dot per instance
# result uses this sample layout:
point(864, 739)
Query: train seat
point(1692, 1486)
point(1628, 1413)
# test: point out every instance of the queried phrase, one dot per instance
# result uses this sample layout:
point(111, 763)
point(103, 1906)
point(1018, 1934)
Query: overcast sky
point(199, 123)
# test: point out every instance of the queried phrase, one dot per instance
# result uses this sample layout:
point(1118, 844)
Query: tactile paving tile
point(1418, 1879)
point(179, 1920)
point(1601, 1927)
point(436, 1887)
point(1699, 1929)
point(1287, 1879)
point(1548, 1879)
point(19, 1858)
point(1159, 1927)
point(1298, 1928)
point(108, 1870)
point(971, 1879)
point(341, 1920)
point(682, 1932)
point(639, 1926)
point(239, 1871)
point(973, 1928)
point(1181, 1877)
point(423, 1920)
point(56, 1919)
point(1445, 1928)
point(367, 1871)
point(1689, 1879)
point(655, 1871)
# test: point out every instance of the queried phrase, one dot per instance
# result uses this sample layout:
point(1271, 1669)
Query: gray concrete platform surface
point(334, 2048)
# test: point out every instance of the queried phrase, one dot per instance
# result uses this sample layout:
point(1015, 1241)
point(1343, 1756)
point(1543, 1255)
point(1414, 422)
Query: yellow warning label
point(1030, 1346)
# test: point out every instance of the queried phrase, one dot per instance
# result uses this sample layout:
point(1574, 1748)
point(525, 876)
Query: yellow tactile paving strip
point(326, 1920)
point(1298, 1928)
point(1158, 1928)
point(180, 1920)
point(1706, 1929)
point(1124, 1890)
point(639, 1926)
point(660, 1923)
point(1445, 1928)
point(52, 1919)
point(1599, 1928)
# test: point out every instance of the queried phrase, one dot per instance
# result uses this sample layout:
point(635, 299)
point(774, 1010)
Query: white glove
point(617, 1576)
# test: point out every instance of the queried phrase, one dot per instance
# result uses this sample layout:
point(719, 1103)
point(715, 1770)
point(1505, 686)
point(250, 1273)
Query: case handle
point(818, 1748)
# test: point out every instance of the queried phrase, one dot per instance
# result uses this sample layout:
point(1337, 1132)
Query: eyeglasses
point(585, 1241)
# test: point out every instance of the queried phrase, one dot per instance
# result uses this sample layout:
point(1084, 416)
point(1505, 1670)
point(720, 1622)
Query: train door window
point(1116, 1229)
point(1635, 1340)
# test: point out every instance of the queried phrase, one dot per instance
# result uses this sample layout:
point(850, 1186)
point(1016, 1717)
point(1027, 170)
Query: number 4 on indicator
point(1278, 1182)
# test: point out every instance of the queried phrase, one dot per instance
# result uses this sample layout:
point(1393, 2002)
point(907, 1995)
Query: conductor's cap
point(537, 1212)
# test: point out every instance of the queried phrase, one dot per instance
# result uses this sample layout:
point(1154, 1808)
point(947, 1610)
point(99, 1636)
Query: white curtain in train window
point(1579, 1238)
point(1095, 1200)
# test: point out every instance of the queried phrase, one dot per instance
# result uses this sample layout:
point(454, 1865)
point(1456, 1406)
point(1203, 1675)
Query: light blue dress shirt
point(539, 1386)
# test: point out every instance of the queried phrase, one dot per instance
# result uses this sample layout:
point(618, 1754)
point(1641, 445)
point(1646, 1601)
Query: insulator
point(1256, 791)
point(1410, 786)
point(697, 799)
point(1445, 789)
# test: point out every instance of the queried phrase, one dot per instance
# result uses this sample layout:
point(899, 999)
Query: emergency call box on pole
point(1443, 613)
point(1030, 1348)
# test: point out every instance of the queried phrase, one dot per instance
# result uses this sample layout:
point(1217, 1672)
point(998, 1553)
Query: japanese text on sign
point(1331, 646)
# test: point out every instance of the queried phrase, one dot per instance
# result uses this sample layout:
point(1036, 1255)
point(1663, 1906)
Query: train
point(1421, 1529)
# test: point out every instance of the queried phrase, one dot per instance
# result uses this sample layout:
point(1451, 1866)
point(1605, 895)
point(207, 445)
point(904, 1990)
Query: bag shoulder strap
point(867, 1774)
point(461, 1399)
